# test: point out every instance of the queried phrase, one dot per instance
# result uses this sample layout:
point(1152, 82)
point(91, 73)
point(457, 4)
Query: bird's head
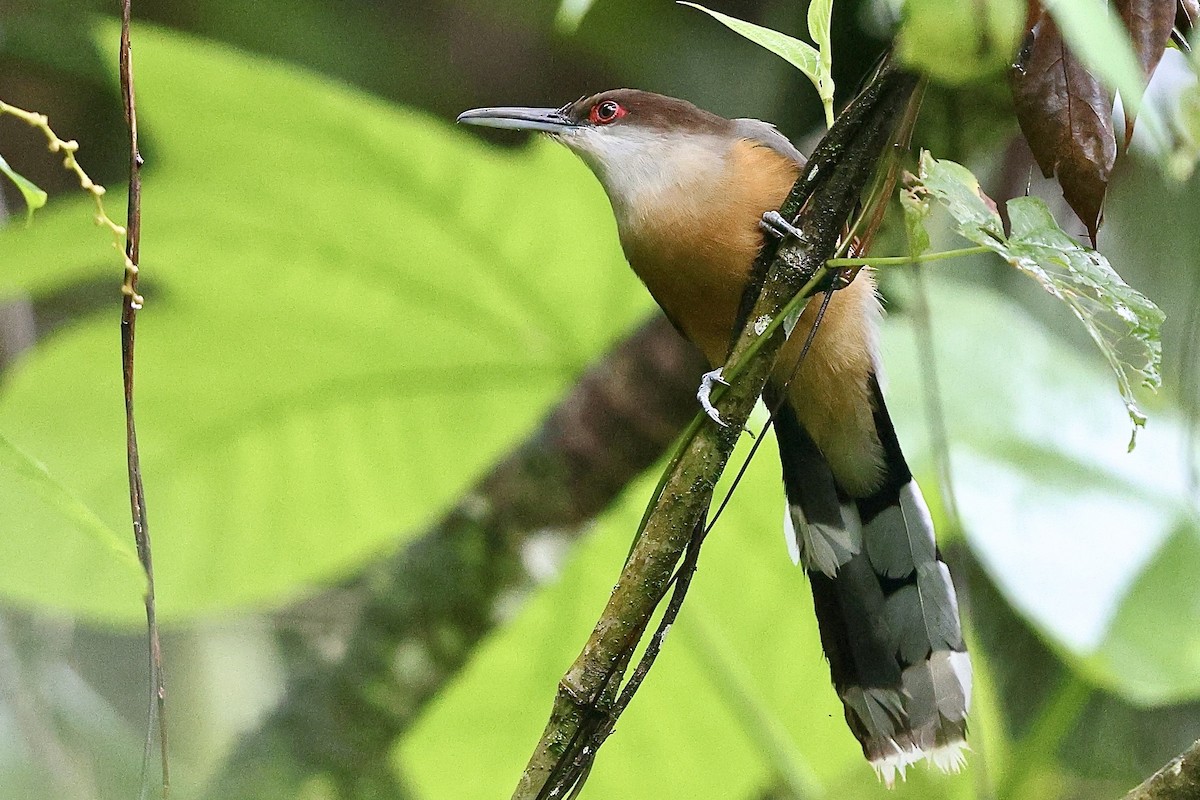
point(637, 143)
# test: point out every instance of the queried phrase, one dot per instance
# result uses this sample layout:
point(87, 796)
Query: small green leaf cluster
point(34, 197)
point(815, 62)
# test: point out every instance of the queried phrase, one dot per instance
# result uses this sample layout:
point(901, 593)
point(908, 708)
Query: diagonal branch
point(827, 192)
point(439, 596)
point(1177, 780)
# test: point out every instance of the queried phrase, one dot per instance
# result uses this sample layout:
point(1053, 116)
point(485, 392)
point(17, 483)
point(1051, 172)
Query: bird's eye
point(606, 112)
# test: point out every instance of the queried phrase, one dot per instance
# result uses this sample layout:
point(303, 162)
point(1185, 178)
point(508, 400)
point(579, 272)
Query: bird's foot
point(776, 225)
point(705, 392)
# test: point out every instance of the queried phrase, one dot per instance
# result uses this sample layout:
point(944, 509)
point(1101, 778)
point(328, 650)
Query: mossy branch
point(1177, 780)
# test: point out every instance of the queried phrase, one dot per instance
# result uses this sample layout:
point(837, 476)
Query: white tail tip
point(949, 757)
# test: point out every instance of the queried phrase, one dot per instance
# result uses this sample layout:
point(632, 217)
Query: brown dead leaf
point(1149, 23)
point(1066, 116)
point(1186, 15)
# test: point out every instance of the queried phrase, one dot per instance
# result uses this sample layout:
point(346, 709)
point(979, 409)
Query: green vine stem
point(68, 148)
point(900, 261)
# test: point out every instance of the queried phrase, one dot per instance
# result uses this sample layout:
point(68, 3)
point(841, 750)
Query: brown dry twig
point(137, 500)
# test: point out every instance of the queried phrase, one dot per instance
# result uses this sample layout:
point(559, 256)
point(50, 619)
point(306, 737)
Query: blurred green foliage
point(33, 196)
point(315, 340)
point(959, 43)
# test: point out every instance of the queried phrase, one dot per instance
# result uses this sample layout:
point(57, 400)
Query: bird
point(692, 193)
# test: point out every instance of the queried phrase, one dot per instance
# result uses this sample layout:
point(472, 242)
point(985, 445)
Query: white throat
point(640, 167)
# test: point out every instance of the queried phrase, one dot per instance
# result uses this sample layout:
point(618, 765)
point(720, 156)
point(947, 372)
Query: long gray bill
point(547, 120)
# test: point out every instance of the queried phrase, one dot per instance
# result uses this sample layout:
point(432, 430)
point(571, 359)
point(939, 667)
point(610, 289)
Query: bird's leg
point(776, 225)
point(705, 391)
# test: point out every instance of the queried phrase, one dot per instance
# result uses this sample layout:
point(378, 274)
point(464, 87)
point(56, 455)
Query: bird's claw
point(704, 393)
point(774, 224)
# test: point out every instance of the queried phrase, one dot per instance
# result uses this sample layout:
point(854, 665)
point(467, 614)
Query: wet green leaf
point(1124, 324)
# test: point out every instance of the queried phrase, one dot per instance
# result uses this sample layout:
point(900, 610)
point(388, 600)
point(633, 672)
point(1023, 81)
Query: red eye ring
point(605, 112)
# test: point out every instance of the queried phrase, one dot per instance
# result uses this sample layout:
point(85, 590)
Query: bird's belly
point(699, 291)
point(703, 310)
point(829, 391)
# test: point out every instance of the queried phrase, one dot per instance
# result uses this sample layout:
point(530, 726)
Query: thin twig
point(935, 415)
point(899, 261)
point(137, 499)
point(438, 596)
point(855, 244)
point(572, 774)
point(682, 581)
point(773, 411)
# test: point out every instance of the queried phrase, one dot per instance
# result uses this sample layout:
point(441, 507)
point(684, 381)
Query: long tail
point(885, 605)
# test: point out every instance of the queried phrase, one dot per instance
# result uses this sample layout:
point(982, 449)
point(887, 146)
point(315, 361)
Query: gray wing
point(767, 135)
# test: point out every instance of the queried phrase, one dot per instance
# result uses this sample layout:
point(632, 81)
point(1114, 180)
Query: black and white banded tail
point(885, 605)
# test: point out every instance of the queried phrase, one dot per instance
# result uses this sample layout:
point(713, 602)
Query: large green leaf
point(34, 504)
point(351, 311)
point(1069, 525)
